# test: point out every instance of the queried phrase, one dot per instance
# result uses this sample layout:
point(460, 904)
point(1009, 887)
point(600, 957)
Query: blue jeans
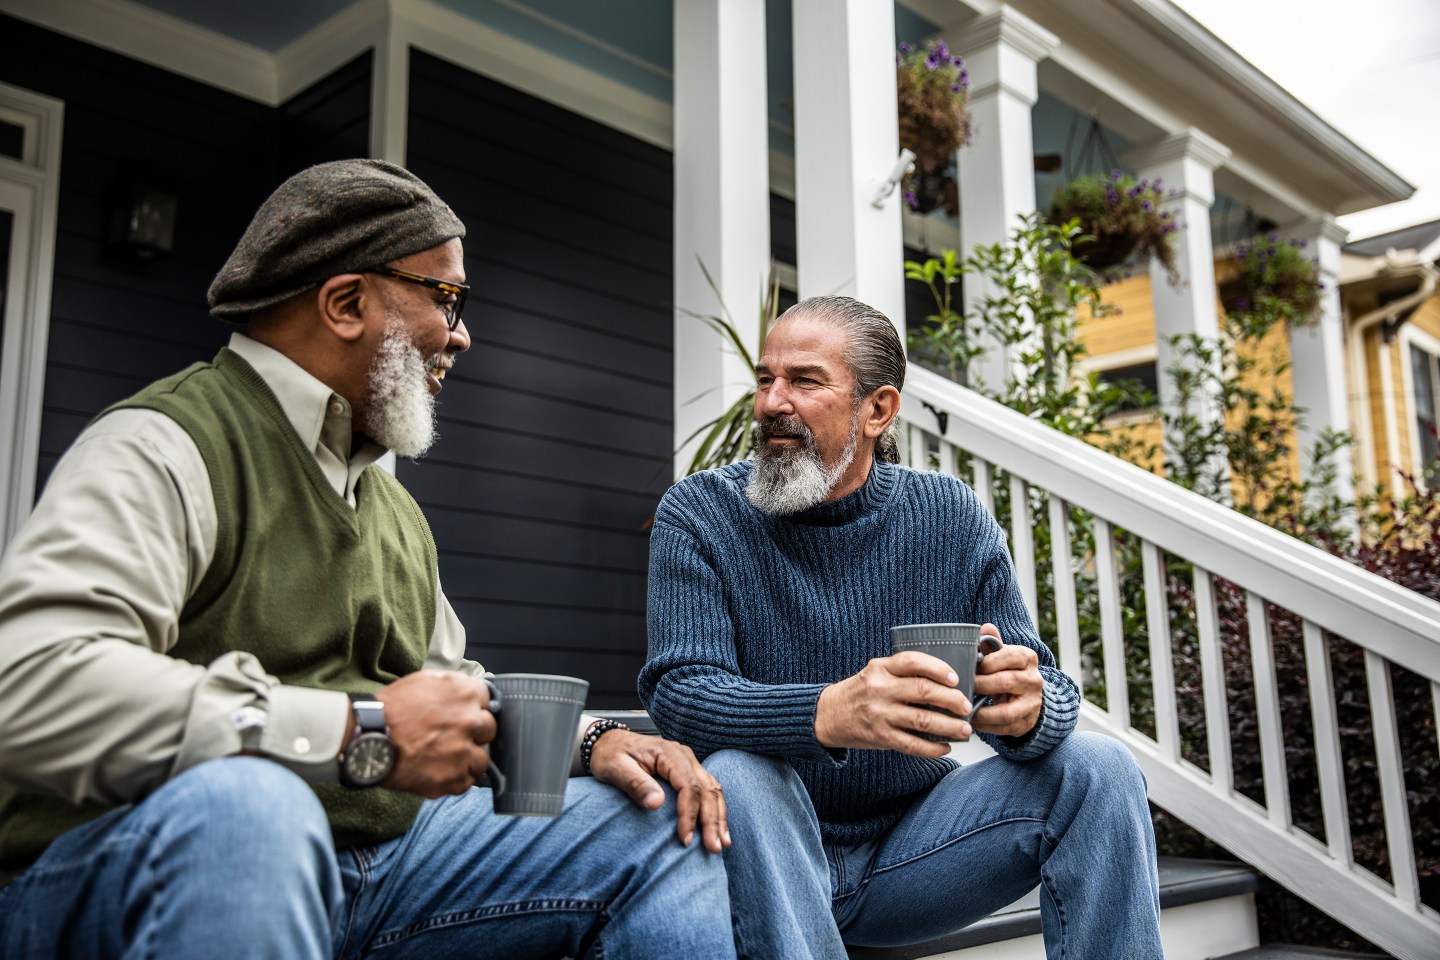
point(1074, 821)
point(234, 858)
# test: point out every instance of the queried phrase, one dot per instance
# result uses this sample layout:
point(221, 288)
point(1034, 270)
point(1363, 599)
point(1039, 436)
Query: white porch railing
point(1391, 624)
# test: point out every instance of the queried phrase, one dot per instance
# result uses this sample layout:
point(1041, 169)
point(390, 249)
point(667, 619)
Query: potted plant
point(931, 88)
point(1274, 280)
point(1118, 217)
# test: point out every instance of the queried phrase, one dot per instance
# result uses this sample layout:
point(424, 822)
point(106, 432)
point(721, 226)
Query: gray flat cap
point(339, 217)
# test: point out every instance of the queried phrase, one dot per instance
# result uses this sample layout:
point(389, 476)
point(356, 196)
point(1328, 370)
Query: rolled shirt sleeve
point(91, 591)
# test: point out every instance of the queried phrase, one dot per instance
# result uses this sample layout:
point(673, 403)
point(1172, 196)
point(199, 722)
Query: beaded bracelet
point(596, 731)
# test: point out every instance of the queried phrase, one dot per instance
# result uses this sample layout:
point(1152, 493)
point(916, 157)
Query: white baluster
point(1212, 673)
point(1067, 621)
point(1022, 544)
point(984, 484)
point(1329, 762)
point(1267, 711)
point(1162, 673)
point(1392, 780)
point(1117, 689)
point(919, 450)
point(948, 455)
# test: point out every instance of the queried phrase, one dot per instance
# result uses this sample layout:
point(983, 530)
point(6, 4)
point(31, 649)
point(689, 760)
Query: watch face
point(369, 759)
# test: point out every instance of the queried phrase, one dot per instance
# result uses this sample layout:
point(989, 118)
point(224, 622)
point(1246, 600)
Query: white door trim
point(29, 189)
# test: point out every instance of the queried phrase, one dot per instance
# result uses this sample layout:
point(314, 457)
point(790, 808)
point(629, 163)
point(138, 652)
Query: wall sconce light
point(143, 219)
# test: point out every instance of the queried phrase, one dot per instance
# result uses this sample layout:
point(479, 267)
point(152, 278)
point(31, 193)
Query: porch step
point(1207, 910)
point(1285, 951)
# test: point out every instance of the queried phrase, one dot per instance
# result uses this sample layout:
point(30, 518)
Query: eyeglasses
point(453, 308)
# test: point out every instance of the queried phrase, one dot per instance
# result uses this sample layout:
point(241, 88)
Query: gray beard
point(790, 480)
point(400, 413)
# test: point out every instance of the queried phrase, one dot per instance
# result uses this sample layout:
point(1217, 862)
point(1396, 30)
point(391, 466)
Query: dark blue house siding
point(556, 426)
point(118, 322)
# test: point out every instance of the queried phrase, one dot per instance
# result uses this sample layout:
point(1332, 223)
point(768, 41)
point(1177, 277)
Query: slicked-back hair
point(872, 351)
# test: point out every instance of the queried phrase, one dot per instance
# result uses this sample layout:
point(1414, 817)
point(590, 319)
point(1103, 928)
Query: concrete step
point(1207, 910)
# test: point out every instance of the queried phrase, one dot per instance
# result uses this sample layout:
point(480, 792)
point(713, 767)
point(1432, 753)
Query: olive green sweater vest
point(322, 594)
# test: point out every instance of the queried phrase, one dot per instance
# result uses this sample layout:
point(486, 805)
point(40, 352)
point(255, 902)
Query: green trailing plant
point(727, 438)
point(1118, 217)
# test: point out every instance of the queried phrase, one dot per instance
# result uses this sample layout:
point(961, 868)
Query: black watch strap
point(369, 713)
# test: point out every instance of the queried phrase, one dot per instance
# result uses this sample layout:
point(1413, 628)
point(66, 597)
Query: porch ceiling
point(1149, 69)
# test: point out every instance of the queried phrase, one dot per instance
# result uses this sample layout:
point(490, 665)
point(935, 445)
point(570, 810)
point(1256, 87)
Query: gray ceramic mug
point(958, 644)
point(536, 717)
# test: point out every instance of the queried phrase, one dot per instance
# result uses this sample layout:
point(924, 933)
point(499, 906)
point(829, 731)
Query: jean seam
point(457, 918)
point(955, 840)
point(362, 869)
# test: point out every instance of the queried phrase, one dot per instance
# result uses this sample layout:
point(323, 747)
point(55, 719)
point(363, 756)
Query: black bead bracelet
point(597, 729)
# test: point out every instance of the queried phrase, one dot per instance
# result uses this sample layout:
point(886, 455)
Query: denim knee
point(742, 774)
point(1105, 763)
point(248, 801)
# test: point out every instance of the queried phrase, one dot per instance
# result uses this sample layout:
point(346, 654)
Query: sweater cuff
point(1058, 712)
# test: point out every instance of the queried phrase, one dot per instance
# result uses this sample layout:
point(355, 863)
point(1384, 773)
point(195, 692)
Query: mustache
point(769, 427)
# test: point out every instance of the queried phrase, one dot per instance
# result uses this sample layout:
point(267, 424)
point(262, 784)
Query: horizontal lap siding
point(556, 426)
point(118, 322)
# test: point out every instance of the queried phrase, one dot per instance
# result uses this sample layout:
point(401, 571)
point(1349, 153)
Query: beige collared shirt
point(91, 591)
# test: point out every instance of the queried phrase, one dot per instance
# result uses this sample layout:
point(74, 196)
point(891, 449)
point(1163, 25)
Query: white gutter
point(1359, 412)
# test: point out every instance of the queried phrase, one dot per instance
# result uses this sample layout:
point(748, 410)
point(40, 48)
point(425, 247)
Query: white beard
point(400, 412)
point(791, 480)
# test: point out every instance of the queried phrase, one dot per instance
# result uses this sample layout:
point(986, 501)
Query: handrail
point(1391, 624)
point(1340, 596)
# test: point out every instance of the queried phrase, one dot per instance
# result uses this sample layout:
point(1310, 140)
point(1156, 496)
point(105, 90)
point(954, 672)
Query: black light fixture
point(143, 219)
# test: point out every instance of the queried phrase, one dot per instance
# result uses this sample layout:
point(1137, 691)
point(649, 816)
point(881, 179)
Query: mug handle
point(987, 644)
point(494, 774)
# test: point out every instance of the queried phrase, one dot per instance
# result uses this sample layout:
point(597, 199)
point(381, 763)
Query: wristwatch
point(370, 755)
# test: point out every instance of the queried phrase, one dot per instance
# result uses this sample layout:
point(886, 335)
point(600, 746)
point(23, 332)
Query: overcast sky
point(1371, 68)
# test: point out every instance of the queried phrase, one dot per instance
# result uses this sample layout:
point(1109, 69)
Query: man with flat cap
point(220, 594)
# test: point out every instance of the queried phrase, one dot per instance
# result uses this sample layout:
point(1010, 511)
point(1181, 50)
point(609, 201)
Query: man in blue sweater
point(773, 587)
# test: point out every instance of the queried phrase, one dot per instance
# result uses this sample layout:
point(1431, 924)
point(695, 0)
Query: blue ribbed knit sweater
point(752, 615)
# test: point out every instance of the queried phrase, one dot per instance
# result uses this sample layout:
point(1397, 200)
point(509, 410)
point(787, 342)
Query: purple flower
point(931, 63)
point(955, 88)
point(941, 49)
point(1147, 206)
point(905, 48)
point(965, 77)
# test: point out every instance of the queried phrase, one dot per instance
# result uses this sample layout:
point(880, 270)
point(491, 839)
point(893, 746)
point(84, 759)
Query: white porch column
point(1317, 352)
point(722, 202)
point(1185, 162)
point(997, 169)
point(846, 144)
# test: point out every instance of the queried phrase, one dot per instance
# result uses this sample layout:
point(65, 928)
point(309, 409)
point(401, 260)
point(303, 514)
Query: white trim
point(31, 191)
point(158, 39)
point(540, 73)
point(1390, 421)
point(324, 49)
point(1128, 357)
point(1410, 336)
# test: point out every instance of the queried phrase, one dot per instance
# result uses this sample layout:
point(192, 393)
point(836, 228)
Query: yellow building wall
point(1130, 325)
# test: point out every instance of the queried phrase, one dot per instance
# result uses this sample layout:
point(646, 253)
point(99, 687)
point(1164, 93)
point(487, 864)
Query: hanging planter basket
point(934, 121)
point(1119, 217)
point(1274, 280)
point(1103, 251)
